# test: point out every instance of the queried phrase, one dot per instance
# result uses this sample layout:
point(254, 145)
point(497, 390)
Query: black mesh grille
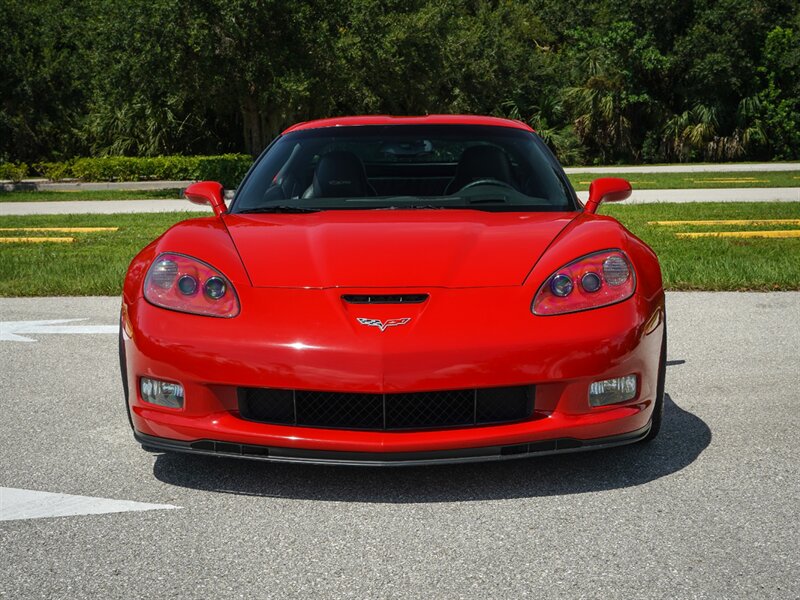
point(324, 409)
point(416, 410)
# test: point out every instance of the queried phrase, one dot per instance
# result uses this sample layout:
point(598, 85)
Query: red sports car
point(393, 291)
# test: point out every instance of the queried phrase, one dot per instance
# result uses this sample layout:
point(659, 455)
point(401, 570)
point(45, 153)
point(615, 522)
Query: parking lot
point(708, 510)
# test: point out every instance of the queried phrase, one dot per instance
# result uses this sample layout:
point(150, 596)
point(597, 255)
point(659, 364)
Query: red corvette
point(391, 291)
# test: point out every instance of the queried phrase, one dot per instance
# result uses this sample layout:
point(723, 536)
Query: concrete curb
point(43, 185)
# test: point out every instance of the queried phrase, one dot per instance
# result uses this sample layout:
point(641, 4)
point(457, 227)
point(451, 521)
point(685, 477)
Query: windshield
point(406, 166)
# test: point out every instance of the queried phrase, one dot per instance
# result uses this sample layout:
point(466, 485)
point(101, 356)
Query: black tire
point(123, 369)
point(658, 410)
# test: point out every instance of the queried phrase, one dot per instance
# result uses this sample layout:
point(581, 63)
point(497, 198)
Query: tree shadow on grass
point(683, 437)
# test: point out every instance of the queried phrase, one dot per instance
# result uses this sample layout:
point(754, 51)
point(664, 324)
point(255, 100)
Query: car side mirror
point(207, 192)
point(607, 189)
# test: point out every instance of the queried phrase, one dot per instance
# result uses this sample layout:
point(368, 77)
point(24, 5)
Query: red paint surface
point(461, 337)
point(422, 120)
point(481, 271)
point(399, 248)
point(207, 192)
point(607, 189)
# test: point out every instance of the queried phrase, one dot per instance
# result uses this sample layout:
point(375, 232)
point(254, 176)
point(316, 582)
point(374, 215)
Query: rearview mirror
point(607, 189)
point(207, 192)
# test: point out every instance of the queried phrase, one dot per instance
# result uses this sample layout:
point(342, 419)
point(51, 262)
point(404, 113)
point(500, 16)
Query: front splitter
point(385, 459)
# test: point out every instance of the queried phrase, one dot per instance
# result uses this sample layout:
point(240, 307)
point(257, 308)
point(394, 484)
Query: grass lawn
point(95, 263)
point(671, 181)
point(173, 194)
point(710, 263)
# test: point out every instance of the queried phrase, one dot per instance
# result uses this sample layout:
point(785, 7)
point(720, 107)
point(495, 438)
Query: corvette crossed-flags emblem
point(383, 325)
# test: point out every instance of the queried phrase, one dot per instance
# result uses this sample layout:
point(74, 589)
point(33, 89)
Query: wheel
point(658, 410)
point(123, 368)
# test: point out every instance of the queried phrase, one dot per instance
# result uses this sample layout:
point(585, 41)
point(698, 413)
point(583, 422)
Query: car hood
point(393, 248)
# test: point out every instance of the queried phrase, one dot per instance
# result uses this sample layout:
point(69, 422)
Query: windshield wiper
point(278, 209)
point(488, 200)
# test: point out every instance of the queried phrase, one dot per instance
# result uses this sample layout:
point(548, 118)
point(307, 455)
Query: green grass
point(671, 181)
point(717, 263)
point(95, 263)
point(48, 196)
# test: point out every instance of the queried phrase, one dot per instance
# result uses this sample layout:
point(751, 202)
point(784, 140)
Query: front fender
point(204, 238)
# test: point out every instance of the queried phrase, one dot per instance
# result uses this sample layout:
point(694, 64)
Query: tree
point(779, 100)
point(43, 79)
point(602, 80)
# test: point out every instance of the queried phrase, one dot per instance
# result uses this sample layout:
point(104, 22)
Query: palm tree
point(600, 117)
point(695, 133)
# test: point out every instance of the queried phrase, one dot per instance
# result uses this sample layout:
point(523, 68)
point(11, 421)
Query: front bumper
point(306, 339)
point(384, 459)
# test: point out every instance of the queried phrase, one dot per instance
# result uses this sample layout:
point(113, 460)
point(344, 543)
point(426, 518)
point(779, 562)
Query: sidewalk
point(710, 168)
point(151, 206)
point(99, 207)
point(45, 185)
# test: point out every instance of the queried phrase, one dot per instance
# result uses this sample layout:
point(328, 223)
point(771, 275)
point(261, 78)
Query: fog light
point(163, 393)
point(612, 391)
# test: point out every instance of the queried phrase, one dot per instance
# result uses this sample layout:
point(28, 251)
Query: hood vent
point(385, 298)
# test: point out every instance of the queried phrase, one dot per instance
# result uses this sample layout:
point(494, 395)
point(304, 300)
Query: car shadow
point(683, 437)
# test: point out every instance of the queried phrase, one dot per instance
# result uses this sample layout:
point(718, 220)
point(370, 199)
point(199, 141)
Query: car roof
point(421, 120)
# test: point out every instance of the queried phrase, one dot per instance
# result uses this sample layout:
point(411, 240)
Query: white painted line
point(10, 330)
point(18, 504)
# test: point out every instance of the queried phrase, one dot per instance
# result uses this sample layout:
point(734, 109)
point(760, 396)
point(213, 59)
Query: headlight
point(185, 284)
point(592, 281)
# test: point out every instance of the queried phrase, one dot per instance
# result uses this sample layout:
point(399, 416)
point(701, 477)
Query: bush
point(54, 171)
point(13, 171)
point(228, 169)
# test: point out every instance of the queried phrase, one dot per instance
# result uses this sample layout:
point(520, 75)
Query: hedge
point(228, 169)
point(13, 171)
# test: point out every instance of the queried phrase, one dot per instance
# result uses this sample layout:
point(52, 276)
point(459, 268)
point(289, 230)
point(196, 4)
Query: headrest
point(481, 162)
point(340, 174)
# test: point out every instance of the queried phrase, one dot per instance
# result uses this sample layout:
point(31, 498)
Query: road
point(150, 206)
point(709, 510)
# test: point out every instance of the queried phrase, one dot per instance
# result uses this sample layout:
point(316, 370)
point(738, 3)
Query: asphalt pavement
point(708, 510)
point(150, 206)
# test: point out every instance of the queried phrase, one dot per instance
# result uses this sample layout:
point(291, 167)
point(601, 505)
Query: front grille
point(385, 298)
point(385, 412)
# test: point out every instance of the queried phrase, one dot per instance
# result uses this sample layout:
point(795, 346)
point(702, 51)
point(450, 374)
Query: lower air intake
point(387, 412)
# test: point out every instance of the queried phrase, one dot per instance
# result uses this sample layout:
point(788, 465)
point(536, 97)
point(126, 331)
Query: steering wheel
point(486, 181)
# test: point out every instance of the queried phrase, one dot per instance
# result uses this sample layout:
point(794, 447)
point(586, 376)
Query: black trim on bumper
point(386, 459)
